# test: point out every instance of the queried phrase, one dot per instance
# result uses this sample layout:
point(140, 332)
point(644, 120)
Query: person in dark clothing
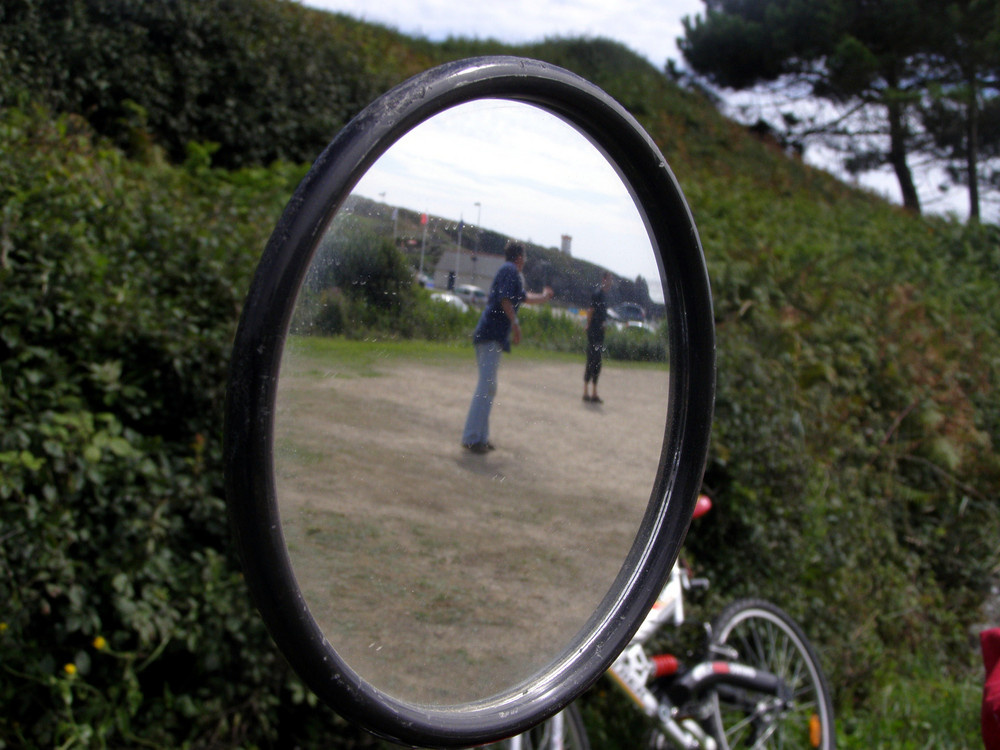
point(597, 316)
point(498, 327)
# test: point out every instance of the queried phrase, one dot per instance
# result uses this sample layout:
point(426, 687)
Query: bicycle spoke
point(765, 638)
point(736, 730)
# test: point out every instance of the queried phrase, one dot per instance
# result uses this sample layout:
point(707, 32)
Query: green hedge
point(853, 463)
point(264, 79)
point(126, 621)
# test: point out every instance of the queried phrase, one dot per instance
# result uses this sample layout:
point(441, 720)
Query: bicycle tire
point(574, 734)
point(764, 636)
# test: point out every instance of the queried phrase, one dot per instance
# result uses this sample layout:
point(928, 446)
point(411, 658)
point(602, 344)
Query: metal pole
point(458, 250)
point(423, 244)
point(479, 222)
point(479, 233)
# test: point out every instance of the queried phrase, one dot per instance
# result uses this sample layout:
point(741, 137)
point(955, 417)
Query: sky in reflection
point(533, 176)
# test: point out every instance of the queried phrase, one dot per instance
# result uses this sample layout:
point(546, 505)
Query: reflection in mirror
point(440, 575)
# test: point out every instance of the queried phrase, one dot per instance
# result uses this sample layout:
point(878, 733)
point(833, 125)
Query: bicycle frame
point(634, 670)
point(720, 701)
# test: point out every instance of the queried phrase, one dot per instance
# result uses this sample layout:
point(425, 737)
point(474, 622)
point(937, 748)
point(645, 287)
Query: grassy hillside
point(854, 458)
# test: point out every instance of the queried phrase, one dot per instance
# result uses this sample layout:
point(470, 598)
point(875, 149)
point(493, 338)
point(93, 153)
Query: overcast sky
point(509, 196)
point(648, 28)
point(513, 168)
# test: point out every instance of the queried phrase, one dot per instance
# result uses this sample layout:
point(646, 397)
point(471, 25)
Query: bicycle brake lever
point(721, 650)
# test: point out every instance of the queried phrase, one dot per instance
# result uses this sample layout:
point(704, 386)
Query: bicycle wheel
point(765, 637)
point(547, 735)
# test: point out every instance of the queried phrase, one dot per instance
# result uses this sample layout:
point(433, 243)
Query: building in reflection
point(463, 267)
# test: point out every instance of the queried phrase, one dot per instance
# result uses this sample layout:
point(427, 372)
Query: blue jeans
point(477, 424)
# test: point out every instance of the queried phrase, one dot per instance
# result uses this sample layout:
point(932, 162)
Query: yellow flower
point(99, 643)
point(70, 669)
point(3, 627)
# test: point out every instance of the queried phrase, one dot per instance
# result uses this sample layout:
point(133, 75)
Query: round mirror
point(437, 593)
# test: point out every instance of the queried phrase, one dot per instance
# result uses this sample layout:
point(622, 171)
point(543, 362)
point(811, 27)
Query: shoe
point(478, 448)
point(596, 400)
point(586, 397)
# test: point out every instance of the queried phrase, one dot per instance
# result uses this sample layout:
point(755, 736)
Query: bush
point(359, 285)
point(202, 70)
point(543, 328)
point(127, 620)
point(853, 455)
point(853, 461)
point(635, 344)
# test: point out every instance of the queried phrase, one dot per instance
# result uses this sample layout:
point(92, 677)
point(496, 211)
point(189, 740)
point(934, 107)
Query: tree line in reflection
point(363, 282)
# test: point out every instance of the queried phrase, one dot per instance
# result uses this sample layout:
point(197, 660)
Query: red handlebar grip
point(665, 665)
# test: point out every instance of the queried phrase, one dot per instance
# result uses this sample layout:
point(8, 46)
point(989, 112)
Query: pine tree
point(863, 56)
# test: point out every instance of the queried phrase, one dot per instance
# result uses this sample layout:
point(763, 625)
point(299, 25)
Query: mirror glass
point(438, 574)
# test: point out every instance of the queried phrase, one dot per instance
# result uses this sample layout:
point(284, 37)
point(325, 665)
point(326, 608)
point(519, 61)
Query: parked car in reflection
point(449, 299)
point(628, 315)
point(471, 295)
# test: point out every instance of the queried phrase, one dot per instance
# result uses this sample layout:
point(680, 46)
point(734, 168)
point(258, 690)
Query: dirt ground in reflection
point(440, 575)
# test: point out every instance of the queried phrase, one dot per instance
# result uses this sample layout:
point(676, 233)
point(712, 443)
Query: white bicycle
point(757, 684)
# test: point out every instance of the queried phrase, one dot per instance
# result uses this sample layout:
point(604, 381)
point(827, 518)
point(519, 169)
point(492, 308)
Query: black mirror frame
point(256, 358)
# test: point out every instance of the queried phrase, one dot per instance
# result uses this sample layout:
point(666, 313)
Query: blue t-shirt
point(493, 323)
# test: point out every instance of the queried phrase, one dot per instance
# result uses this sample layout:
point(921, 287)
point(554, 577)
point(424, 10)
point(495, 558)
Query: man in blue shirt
point(498, 327)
